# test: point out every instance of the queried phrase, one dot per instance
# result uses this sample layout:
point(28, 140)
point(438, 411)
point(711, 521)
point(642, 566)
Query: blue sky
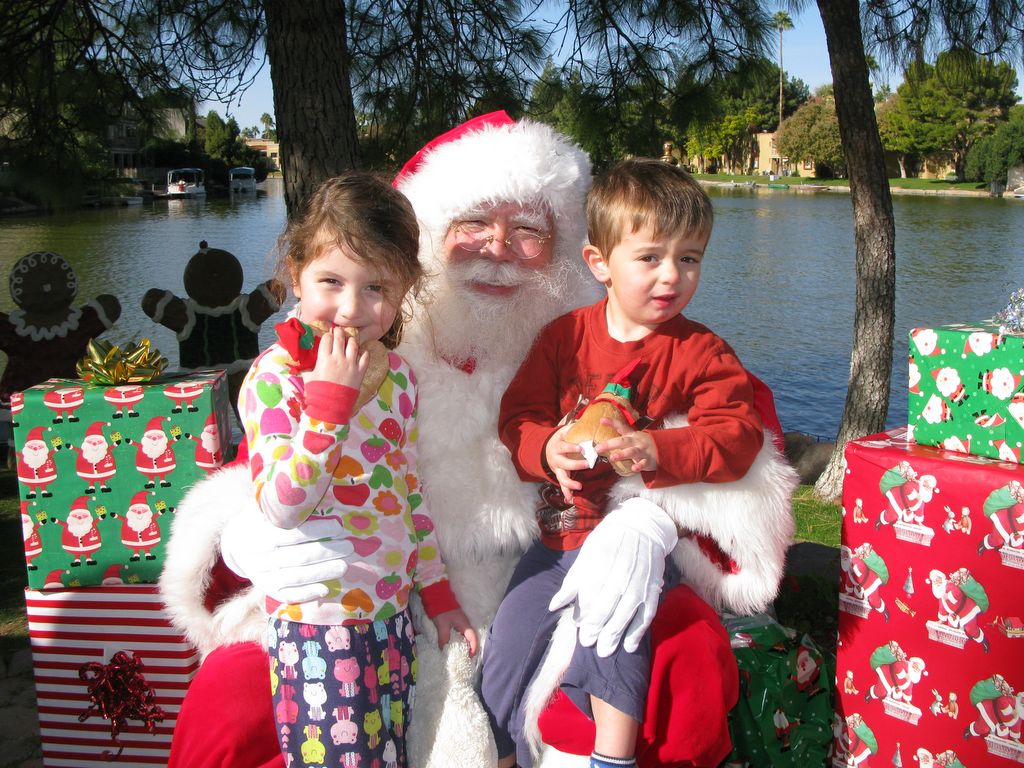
point(804, 55)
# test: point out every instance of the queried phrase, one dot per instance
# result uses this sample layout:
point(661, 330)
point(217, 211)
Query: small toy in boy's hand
point(613, 403)
point(299, 340)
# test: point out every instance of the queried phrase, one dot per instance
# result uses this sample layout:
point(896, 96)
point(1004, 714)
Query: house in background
point(269, 149)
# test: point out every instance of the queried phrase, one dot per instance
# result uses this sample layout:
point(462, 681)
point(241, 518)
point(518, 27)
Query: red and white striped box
point(70, 628)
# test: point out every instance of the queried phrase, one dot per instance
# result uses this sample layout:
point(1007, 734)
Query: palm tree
point(782, 22)
point(268, 123)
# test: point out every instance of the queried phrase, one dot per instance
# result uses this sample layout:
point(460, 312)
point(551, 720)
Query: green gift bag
point(784, 713)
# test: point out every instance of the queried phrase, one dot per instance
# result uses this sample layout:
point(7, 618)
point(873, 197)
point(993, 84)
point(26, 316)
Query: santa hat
point(95, 429)
point(493, 159)
point(54, 580)
point(211, 421)
point(24, 508)
point(36, 433)
point(112, 576)
point(1006, 451)
point(142, 497)
point(156, 424)
point(80, 503)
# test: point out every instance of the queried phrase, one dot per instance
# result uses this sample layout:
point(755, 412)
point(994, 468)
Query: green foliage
point(991, 157)
point(813, 133)
point(948, 106)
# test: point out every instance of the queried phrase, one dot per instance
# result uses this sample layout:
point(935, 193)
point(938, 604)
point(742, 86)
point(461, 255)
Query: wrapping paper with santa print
point(73, 627)
point(101, 470)
point(931, 620)
point(784, 713)
point(967, 390)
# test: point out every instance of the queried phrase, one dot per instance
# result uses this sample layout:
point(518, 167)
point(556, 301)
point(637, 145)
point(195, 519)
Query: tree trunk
point(316, 123)
point(867, 396)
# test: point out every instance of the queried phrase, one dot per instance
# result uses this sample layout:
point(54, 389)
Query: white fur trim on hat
point(526, 162)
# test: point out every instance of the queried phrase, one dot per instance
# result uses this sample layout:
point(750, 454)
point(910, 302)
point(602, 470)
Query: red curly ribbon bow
point(119, 692)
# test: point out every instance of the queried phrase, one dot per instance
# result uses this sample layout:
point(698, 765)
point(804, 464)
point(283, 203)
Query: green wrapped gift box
point(967, 390)
point(101, 469)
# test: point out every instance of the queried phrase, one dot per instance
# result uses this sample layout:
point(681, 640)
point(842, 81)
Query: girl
point(342, 667)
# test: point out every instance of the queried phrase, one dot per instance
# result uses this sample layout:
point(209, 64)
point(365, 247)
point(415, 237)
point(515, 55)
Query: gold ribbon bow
point(105, 363)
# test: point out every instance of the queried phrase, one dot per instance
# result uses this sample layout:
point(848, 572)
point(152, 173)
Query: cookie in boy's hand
point(613, 403)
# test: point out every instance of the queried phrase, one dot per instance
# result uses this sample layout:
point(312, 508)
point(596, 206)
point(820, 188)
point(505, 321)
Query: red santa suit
point(962, 600)
point(136, 534)
point(76, 539)
point(93, 470)
point(486, 515)
point(1000, 711)
point(30, 532)
point(209, 455)
point(64, 402)
point(155, 467)
point(184, 395)
point(36, 478)
point(124, 399)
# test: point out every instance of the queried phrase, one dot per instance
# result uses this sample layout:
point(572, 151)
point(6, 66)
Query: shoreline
point(810, 187)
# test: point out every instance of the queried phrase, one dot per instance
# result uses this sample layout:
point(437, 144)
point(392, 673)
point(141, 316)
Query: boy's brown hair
point(362, 213)
point(643, 192)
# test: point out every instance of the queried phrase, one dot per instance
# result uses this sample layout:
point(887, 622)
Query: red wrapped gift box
point(70, 628)
point(931, 639)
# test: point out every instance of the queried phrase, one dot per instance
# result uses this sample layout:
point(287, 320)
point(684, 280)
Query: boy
point(648, 225)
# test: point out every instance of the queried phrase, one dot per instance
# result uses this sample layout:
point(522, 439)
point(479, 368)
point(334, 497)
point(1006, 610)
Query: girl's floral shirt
point(311, 457)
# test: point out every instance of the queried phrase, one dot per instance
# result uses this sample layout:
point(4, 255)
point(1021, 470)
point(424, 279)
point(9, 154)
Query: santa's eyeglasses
point(474, 236)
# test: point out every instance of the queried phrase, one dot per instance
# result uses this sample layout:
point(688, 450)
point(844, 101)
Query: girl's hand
point(630, 445)
point(455, 621)
point(338, 360)
point(563, 458)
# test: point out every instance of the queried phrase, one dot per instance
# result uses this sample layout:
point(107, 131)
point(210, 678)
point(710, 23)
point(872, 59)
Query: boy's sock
point(601, 761)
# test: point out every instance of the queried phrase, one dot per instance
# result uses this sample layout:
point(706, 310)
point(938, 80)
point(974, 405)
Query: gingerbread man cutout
point(217, 325)
point(46, 335)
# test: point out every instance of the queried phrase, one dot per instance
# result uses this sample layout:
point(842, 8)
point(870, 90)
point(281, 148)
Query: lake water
point(777, 283)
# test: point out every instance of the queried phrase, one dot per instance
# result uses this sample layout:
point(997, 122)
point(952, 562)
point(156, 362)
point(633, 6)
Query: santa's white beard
point(27, 528)
point(154, 447)
point(469, 324)
point(94, 453)
point(139, 521)
point(210, 441)
point(34, 457)
point(79, 526)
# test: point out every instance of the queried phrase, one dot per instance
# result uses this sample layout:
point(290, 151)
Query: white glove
point(293, 566)
point(615, 583)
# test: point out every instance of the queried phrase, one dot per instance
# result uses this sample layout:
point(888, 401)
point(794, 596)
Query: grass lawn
point(807, 603)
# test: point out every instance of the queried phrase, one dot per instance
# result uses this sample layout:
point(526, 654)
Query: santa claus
point(154, 456)
point(208, 449)
point(139, 530)
point(907, 494)
point(95, 461)
point(465, 344)
point(36, 468)
point(30, 532)
point(64, 401)
point(1004, 508)
point(864, 573)
point(80, 536)
point(184, 394)
point(1001, 712)
point(896, 672)
point(962, 601)
point(124, 398)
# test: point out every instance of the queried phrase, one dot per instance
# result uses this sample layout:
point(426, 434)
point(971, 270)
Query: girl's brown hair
point(372, 221)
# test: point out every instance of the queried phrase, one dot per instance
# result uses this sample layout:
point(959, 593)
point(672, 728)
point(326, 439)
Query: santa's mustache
point(551, 279)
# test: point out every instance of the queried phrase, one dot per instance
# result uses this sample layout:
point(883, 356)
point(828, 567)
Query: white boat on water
point(242, 179)
point(186, 182)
